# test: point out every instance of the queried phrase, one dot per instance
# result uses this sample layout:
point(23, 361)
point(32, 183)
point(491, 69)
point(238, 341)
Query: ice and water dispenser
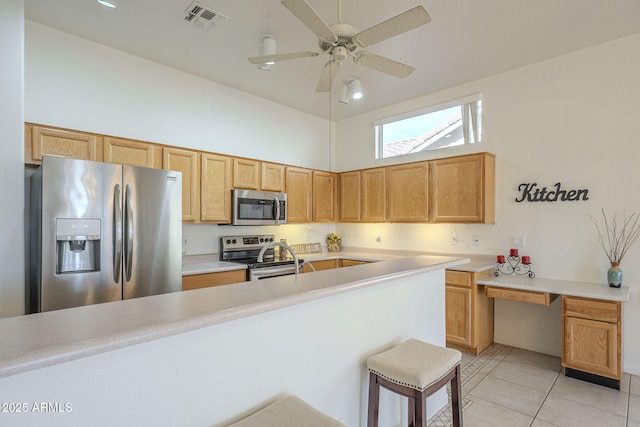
point(77, 245)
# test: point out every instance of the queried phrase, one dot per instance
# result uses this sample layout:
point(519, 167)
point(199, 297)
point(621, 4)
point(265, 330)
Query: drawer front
point(457, 278)
point(541, 298)
point(605, 311)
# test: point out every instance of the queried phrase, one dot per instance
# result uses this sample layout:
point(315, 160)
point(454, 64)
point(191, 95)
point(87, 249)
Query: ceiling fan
point(341, 40)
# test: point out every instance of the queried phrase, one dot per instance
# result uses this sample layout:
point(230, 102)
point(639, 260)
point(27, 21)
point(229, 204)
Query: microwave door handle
point(117, 233)
point(128, 238)
point(276, 201)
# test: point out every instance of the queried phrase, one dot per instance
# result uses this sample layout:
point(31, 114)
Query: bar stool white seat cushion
point(290, 411)
point(414, 363)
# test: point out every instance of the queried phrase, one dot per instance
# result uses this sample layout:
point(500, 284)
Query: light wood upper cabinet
point(408, 192)
point(273, 177)
point(350, 188)
point(325, 188)
point(374, 195)
point(56, 142)
point(246, 174)
point(463, 189)
point(299, 194)
point(185, 161)
point(133, 153)
point(215, 194)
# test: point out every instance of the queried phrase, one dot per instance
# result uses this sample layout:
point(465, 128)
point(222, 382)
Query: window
point(446, 125)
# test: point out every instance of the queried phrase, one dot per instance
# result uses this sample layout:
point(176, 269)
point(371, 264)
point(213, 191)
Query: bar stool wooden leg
point(456, 404)
point(374, 397)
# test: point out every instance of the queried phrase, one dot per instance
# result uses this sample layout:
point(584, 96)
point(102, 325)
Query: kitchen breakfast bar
point(209, 356)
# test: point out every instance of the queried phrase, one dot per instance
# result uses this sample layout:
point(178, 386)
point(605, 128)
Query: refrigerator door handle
point(117, 233)
point(276, 202)
point(128, 229)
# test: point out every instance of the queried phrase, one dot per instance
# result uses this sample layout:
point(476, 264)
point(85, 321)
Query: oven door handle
point(276, 201)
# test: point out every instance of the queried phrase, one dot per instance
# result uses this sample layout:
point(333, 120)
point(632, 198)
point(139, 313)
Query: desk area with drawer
point(591, 322)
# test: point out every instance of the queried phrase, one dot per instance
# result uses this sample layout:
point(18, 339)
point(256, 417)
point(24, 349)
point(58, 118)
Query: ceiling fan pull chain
point(339, 10)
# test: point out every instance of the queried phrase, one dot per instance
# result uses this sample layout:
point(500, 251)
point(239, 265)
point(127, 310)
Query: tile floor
point(511, 387)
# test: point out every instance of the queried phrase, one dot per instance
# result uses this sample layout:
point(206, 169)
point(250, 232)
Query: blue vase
point(614, 275)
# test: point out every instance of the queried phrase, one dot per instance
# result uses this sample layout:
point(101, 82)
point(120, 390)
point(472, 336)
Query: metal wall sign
point(533, 193)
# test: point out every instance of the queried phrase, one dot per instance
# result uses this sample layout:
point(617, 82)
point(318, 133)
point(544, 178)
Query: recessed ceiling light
point(108, 3)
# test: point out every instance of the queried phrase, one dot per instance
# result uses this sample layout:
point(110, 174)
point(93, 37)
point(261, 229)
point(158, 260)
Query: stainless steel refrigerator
point(102, 232)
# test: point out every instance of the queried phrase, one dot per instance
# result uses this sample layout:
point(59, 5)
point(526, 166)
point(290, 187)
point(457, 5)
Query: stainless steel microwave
point(252, 207)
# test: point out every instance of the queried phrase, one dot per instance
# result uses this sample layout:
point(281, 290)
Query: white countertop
point(209, 263)
point(559, 287)
point(43, 339)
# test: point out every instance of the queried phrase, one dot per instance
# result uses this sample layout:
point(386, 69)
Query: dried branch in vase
point(616, 237)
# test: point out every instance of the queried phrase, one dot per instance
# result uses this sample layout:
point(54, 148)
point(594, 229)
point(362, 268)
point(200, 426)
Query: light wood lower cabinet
point(592, 336)
point(469, 312)
point(325, 264)
point(208, 280)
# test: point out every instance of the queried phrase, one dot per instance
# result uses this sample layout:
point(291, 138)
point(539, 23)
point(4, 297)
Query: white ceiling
point(466, 40)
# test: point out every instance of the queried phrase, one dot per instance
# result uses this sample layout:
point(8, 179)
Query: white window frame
point(378, 124)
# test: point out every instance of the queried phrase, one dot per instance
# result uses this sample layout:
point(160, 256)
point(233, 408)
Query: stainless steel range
point(246, 249)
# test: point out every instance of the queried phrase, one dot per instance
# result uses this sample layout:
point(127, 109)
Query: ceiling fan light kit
point(351, 89)
point(268, 50)
point(341, 40)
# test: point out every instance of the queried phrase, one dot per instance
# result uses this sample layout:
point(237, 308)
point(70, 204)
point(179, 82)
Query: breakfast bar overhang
point(211, 355)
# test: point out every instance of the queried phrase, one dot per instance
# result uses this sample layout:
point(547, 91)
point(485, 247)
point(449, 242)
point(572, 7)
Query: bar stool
point(290, 411)
point(415, 369)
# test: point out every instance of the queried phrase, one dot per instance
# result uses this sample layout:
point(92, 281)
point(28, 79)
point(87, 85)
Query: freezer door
point(76, 236)
point(152, 231)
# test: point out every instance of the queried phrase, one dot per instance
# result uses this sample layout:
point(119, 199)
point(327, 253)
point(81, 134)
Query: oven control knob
point(234, 241)
point(261, 239)
point(228, 241)
point(271, 239)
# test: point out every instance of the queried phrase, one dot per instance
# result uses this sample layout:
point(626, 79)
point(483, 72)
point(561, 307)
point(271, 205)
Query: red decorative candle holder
point(500, 259)
point(513, 252)
point(526, 260)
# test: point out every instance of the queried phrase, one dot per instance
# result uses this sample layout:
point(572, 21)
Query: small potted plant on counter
point(333, 242)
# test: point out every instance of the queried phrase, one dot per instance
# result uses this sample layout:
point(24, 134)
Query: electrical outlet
point(454, 239)
point(518, 241)
point(475, 240)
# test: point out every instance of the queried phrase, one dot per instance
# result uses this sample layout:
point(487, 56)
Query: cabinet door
point(458, 315)
point(325, 188)
point(591, 346)
point(56, 142)
point(128, 152)
point(374, 195)
point(208, 280)
point(299, 194)
point(186, 162)
point(215, 194)
point(325, 264)
point(246, 174)
point(350, 187)
point(462, 189)
point(409, 192)
point(273, 177)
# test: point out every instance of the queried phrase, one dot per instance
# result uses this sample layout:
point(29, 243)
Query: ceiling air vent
point(201, 16)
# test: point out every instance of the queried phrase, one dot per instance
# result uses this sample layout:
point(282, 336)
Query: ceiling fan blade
point(382, 64)
point(309, 17)
point(412, 18)
point(281, 57)
point(328, 76)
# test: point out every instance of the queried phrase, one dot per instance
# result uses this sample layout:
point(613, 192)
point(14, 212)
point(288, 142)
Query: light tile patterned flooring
point(512, 387)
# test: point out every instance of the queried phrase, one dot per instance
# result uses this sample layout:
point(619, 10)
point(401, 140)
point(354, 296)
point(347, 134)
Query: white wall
point(572, 119)
point(12, 159)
